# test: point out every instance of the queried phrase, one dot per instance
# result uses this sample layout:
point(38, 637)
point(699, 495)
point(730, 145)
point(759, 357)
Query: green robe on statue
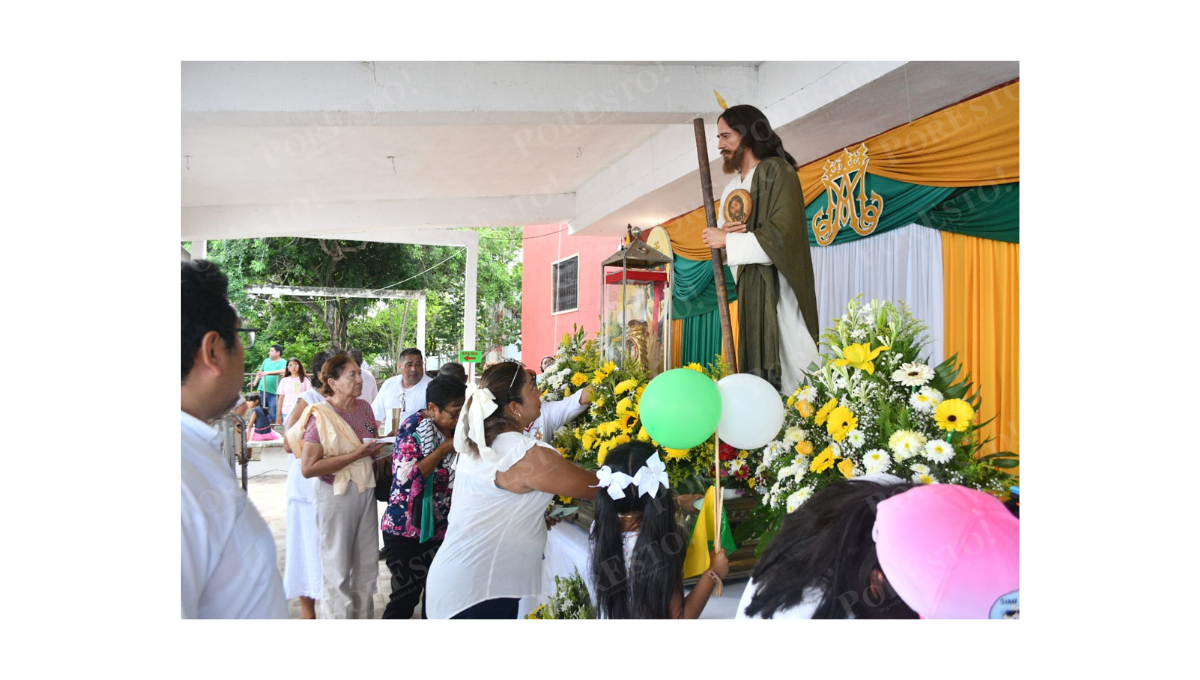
point(777, 221)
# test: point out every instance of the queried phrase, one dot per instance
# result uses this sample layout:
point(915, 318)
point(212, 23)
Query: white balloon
point(751, 411)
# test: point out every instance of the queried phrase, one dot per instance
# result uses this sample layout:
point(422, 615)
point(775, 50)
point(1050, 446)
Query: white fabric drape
point(902, 264)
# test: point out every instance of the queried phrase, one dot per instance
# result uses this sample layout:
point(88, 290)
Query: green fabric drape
point(693, 293)
point(701, 337)
point(989, 211)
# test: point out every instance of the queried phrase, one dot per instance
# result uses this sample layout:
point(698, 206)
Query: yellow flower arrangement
point(579, 380)
point(643, 435)
point(824, 461)
point(840, 422)
point(861, 357)
point(954, 415)
point(823, 414)
point(625, 406)
point(626, 385)
point(589, 440)
point(695, 367)
point(626, 422)
point(846, 467)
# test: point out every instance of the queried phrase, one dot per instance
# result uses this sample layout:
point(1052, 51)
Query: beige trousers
point(348, 526)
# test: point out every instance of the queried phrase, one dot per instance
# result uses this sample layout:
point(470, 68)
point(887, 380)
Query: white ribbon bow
point(613, 481)
point(469, 434)
point(650, 475)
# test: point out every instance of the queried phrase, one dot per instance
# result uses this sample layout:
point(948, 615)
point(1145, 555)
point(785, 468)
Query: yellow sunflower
point(625, 406)
point(841, 421)
point(861, 357)
point(676, 454)
point(823, 414)
point(846, 467)
point(643, 435)
point(626, 423)
point(621, 439)
point(604, 447)
point(824, 461)
point(625, 385)
point(579, 380)
point(954, 415)
point(589, 439)
point(695, 367)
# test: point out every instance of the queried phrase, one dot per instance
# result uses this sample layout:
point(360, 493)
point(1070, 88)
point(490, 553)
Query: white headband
point(647, 479)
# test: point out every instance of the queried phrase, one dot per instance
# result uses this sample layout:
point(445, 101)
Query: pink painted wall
point(541, 331)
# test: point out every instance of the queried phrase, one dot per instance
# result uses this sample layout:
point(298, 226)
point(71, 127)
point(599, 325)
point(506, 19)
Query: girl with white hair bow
point(637, 545)
point(492, 553)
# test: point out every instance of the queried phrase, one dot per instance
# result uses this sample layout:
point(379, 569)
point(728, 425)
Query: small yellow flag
point(721, 100)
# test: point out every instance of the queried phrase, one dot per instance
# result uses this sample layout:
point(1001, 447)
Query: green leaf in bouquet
point(1005, 463)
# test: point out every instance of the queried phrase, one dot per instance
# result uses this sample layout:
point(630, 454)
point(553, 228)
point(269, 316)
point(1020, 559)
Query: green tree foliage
point(304, 326)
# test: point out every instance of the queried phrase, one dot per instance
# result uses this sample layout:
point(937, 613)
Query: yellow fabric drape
point(969, 144)
point(676, 343)
point(982, 318)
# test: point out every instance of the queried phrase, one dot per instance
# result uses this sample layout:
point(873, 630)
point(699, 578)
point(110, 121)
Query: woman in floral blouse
point(423, 458)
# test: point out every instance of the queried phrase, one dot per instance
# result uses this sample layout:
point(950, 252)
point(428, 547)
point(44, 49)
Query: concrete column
point(421, 324)
point(199, 250)
point(470, 302)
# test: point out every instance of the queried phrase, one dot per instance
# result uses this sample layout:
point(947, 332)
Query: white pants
point(349, 552)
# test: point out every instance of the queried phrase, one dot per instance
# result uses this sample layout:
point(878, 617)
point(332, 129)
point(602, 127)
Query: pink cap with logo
point(950, 552)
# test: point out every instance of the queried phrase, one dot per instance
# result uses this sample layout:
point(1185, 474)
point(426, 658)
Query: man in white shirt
point(768, 253)
point(227, 558)
point(405, 391)
point(370, 387)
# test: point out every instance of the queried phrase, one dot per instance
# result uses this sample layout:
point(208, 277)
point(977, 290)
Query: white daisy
point(907, 445)
point(877, 460)
point(857, 438)
point(922, 402)
point(919, 468)
point(797, 499)
point(801, 465)
point(924, 479)
point(736, 465)
point(786, 471)
point(806, 393)
point(913, 375)
point(939, 451)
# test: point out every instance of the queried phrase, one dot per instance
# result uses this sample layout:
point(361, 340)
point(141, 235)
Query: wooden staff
point(718, 271)
point(718, 497)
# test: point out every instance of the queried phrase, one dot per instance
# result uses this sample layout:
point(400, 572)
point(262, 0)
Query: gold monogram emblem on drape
point(844, 176)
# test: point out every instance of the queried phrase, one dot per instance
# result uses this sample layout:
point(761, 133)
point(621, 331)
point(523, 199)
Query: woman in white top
point(492, 554)
point(822, 564)
point(302, 556)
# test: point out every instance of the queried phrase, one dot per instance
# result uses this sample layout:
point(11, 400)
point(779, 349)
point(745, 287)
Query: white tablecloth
point(567, 550)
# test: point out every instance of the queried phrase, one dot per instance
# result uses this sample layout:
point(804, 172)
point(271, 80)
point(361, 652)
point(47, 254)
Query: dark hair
point(287, 370)
point(355, 353)
point(826, 544)
point(204, 308)
point(253, 396)
point(756, 133)
point(505, 388)
point(315, 365)
point(332, 370)
point(453, 369)
point(444, 390)
point(278, 348)
point(655, 575)
point(411, 350)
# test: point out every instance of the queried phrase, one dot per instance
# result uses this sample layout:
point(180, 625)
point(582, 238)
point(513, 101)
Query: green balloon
point(681, 408)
